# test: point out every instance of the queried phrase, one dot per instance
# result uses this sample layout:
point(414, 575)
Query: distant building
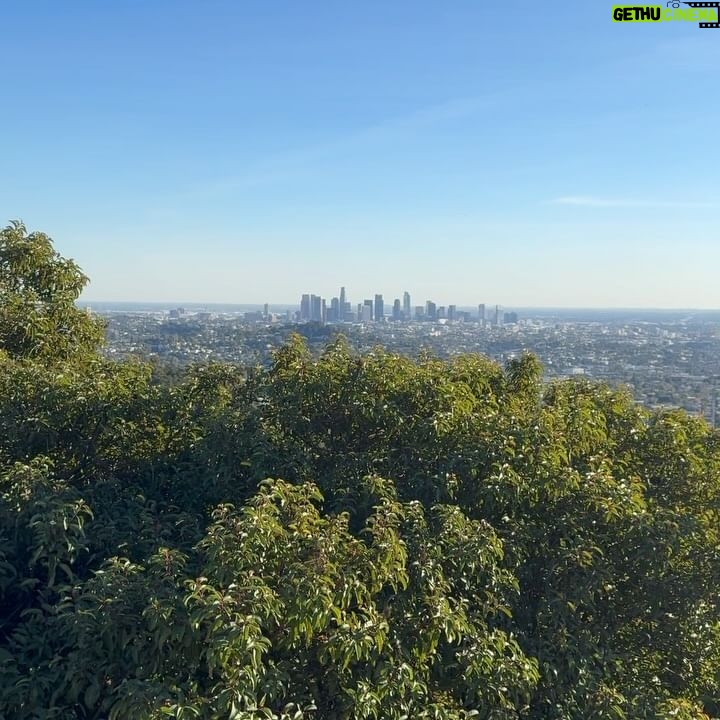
point(407, 308)
point(334, 311)
point(481, 314)
point(452, 312)
point(305, 308)
point(431, 310)
point(367, 311)
point(397, 313)
point(316, 304)
point(344, 311)
point(379, 308)
point(419, 312)
point(510, 318)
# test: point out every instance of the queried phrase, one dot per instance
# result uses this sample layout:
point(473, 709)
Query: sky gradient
point(247, 151)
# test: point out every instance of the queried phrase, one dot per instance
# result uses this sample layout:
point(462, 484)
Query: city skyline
point(338, 309)
point(233, 152)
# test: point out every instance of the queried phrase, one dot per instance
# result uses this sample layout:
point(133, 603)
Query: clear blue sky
point(246, 151)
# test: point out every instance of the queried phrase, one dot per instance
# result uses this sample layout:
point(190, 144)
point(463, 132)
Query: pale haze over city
point(247, 152)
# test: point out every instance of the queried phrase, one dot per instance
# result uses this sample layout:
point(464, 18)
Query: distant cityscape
point(314, 308)
point(666, 358)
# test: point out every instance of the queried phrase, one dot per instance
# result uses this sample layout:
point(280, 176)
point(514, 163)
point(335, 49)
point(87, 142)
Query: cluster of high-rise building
point(314, 308)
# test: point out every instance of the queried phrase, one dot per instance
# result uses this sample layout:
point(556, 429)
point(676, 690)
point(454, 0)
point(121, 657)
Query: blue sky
point(247, 151)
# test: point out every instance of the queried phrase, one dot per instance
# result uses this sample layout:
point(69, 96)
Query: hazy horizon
point(229, 150)
point(275, 306)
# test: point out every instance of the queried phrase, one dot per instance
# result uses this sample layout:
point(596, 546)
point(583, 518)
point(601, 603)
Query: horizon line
point(180, 303)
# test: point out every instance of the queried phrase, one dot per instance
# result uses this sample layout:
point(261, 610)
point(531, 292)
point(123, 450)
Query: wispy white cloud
point(373, 137)
point(603, 202)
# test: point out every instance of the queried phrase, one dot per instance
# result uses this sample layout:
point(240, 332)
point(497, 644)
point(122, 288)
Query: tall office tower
point(497, 315)
point(316, 308)
point(452, 312)
point(266, 311)
point(379, 308)
point(367, 311)
point(334, 312)
point(419, 312)
point(305, 308)
point(431, 310)
point(359, 312)
point(323, 311)
point(342, 311)
point(397, 312)
point(481, 314)
point(407, 312)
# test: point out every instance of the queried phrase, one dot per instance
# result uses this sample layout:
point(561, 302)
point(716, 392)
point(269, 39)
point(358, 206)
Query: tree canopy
point(342, 536)
point(38, 290)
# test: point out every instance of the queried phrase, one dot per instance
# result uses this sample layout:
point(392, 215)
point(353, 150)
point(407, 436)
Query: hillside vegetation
point(339, 537)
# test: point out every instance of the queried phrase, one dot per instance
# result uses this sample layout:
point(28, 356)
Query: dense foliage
point(340, 537)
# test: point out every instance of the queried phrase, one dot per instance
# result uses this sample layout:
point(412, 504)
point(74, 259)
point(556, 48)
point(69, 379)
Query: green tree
point(38, 290)
point(443, 539)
